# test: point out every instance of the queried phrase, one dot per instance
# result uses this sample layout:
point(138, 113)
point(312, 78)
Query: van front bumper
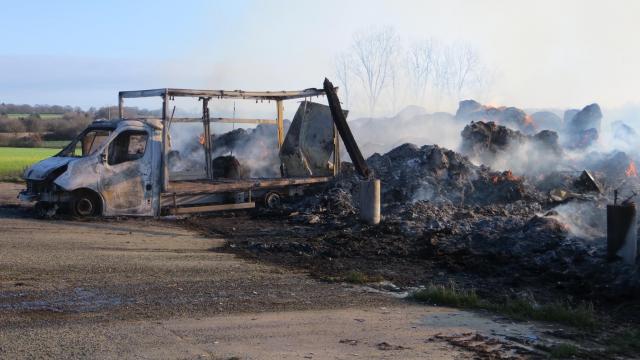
point(26, 196)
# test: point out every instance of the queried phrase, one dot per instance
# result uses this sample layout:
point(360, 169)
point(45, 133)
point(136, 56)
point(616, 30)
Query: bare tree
point(344, 69)
point(465, 64)
point(441, 73)
point(394, 77)
point(432, 70)
point(420, 63)
point(373, 54)
point(456, 68)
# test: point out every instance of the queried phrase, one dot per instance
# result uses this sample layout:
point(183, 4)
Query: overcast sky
point(543, 53)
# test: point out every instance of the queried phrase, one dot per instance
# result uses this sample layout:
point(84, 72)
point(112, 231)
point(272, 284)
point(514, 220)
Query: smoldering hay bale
point(590, 117)
point(412, 173)
point(256, 149)
point(547, 120)
point(582, 129)
point(228, 167)
point(482, 137)
point(512, 117)
point(506, 149)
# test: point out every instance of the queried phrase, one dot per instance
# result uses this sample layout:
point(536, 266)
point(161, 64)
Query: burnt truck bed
point(226, 185)
point(187, 196)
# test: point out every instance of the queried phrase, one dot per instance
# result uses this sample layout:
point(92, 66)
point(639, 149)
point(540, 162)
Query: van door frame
point(139, 170)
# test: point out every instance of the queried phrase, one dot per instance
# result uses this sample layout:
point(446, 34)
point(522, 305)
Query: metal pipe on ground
point(622, 232)
point(369, 201)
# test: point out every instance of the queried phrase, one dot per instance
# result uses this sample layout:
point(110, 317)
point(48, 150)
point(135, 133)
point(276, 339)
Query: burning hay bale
point(619, 165)
point(427, 173)
point(411, 173)
point(496, 187)
point(580, 128)
point(228, 167)
point(547, 120)
point(500, 147)
point(613, 169)
point(255, 149)
point(583, 128)
point(481, 138)
point(569, 114)
point(625, 133)
point(589, 117)
point(471, 110)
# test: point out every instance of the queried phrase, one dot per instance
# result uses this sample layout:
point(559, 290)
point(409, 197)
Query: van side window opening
point(127, 146)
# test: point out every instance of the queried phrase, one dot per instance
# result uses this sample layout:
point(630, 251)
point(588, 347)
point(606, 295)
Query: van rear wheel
point(273, 200)
point(85, 204)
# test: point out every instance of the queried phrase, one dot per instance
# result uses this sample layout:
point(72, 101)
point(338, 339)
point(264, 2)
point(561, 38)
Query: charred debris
point(449, 214)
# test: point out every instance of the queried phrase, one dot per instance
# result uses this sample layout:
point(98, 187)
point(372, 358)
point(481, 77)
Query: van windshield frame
point(92, 144)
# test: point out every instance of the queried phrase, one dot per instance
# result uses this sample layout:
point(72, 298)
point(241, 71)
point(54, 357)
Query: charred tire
point(273, 200)
point(85, 203)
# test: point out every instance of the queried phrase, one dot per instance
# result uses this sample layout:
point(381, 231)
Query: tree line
point(97, 113)
point(6, 109)
point(378, 64)
point(26, 125)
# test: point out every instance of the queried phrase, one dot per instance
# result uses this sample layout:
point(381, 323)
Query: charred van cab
point(108, 169)
point(120, 167)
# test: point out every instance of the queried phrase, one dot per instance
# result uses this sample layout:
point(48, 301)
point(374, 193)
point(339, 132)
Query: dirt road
point(138, 288)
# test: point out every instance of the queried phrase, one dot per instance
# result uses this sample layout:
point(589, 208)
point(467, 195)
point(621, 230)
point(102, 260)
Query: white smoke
point(585, 220)
point(255, 148)
point(411, 125)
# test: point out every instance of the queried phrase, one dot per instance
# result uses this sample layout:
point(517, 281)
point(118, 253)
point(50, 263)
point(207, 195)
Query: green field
point(42, 116)
point(13, 161)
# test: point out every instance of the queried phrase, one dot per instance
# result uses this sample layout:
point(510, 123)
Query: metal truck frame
point(127, 172)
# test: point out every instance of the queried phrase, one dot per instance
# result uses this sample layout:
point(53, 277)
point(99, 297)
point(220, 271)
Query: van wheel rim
point(84, 207)
point(273, 200)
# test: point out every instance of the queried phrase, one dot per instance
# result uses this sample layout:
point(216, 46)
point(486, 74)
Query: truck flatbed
point(224, 185)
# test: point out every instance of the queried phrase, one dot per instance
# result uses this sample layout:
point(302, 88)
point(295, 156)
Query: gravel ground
point(143, 288)
point(141, 269)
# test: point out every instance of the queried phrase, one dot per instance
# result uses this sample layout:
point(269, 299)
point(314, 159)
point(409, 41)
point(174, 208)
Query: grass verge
point(581, 316)
point(357, 277)
point(626, 343)
point(564, 351)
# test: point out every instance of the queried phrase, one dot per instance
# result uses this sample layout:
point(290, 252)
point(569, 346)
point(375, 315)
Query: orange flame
point(505, 176)
point(631, 170)
point(508, 175)
point(528, 120)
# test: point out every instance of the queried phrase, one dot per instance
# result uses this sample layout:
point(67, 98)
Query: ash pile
point(539, 219)
point(431, 173)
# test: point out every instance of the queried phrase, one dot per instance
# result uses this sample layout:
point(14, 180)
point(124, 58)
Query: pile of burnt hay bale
point(410, 173)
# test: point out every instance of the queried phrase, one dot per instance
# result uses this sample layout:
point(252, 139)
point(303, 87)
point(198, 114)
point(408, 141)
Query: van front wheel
point(85, 204)
point(44, 210)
